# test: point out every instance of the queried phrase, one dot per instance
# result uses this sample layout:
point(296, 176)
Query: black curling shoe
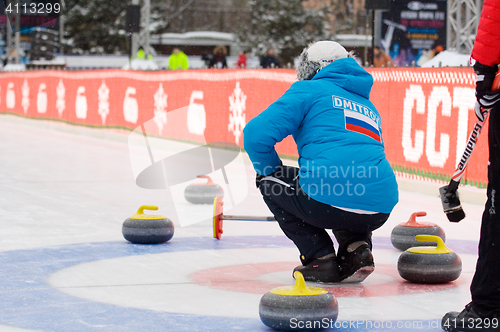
point(471, 319)
point(356, 265)
point(320, 270)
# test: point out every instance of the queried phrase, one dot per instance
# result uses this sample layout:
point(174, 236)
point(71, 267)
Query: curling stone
point(403, 235)
point(203, 193)
point(147, 229)
point(429, 265)
point(298, 308)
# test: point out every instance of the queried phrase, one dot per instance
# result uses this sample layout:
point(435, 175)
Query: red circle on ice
point(245, 278)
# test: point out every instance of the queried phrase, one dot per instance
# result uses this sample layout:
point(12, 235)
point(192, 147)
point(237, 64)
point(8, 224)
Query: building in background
point(194, 42)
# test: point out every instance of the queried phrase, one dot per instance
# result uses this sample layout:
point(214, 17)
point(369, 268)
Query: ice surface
point(66, 191)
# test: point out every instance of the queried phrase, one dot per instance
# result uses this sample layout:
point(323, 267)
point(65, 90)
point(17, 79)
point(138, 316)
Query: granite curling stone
point(298, 308)
point(147, 229)
point(203, 193)
point(403, 235)
point(429, 265)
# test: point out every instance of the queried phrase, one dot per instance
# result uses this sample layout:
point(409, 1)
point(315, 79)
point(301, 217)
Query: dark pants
point(304, 220)
point(485, 287)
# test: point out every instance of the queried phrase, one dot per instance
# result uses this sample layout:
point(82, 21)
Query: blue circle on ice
point(27, 301)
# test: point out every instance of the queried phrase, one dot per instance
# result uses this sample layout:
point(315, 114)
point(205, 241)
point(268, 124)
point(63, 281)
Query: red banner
point(427, 114)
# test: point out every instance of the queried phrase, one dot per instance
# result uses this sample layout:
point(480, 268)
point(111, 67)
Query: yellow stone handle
point(430, 238)
point(299, 289)
point(441, 248)
point(300, 283)
point(145, 207)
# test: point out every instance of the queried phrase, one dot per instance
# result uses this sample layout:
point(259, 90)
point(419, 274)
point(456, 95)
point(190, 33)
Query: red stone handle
point(412, 222)
point(209, 180)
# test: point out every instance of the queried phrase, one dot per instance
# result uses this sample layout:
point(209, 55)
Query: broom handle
point(464, 161)
point(246, 218)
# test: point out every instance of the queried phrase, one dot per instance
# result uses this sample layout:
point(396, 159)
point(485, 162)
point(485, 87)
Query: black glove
point(480, 112)
point(259, 177)
point(257, 180)
point(485, 77)
point(490, 99)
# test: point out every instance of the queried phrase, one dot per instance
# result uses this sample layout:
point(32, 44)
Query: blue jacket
point(338, 135)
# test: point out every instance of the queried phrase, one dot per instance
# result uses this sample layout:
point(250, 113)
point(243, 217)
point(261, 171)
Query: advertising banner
point(412, 30)
point(427, 114)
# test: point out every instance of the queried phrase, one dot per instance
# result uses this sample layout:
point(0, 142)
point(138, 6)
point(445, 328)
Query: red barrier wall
point(427, 114)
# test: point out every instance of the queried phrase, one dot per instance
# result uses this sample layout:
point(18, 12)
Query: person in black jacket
point(219, 58)
point(483, 312)
point(269, 60)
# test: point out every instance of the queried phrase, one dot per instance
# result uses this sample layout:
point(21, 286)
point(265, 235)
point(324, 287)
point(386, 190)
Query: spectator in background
point(242, 59)
point(219, 58)
point(141, 55)
point(178, 60)
point(207, 58)
point(381, 59)
point(438, 49)
point(269, 60)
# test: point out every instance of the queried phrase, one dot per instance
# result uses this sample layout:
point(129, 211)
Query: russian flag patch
point(359, 118)
point(361, 124)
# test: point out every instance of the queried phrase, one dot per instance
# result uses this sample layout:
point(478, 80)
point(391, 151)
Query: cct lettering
point(435, 145)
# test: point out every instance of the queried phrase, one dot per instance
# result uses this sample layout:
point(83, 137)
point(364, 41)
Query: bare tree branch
point(180, 10)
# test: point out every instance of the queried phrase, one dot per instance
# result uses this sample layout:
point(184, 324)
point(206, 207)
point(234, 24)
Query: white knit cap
point(325, 52)
point(317, 56)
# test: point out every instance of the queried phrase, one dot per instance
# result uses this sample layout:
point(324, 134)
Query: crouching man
point(344, 181)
